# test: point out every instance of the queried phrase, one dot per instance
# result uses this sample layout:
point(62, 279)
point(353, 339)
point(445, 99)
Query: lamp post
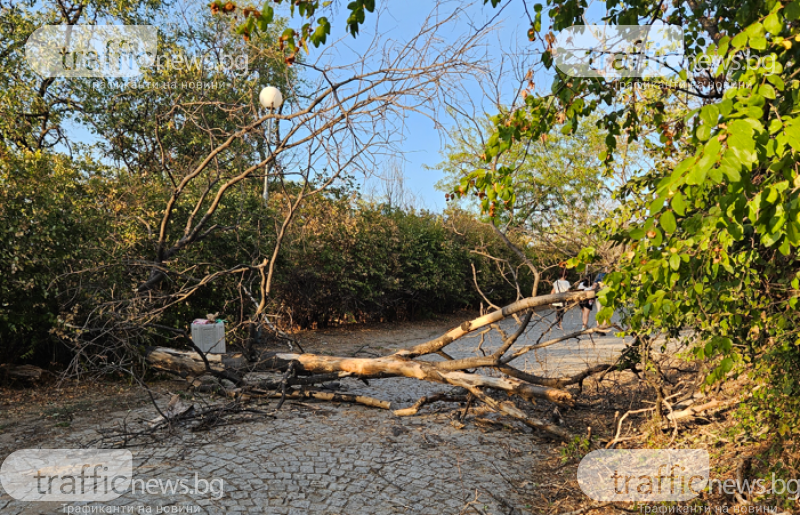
point(271, 99)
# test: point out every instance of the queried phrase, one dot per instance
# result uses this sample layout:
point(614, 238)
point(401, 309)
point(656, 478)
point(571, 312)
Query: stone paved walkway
point(327, 459)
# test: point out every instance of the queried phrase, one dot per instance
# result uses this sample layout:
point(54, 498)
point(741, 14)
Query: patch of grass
point(66, 412)
point(577, 448)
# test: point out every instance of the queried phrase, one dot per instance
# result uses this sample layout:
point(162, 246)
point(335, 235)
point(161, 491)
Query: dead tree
point(467, 373)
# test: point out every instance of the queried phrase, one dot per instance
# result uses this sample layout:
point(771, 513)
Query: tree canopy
point(711, 228)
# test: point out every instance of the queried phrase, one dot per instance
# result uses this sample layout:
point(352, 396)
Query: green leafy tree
point(713, 225)
point(556, 185)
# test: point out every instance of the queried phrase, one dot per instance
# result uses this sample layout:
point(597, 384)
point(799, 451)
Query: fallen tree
point(482, 377)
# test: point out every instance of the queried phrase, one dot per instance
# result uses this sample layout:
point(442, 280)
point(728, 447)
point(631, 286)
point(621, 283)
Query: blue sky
point(422, 141)
point(402, 19)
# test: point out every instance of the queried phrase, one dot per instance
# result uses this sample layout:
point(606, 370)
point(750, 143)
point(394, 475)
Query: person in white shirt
point(560, 286)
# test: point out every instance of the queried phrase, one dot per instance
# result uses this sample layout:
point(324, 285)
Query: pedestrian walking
point(587, 304)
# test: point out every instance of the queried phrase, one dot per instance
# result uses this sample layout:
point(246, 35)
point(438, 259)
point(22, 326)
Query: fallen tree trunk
point(22, 372)
point(181, 362)
point(190, 362)
point(558, 382)
point(455, 372)
point(391, 366)
point(327, 396)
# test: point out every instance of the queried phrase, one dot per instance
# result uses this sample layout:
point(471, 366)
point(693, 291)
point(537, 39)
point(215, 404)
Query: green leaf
point(657, 204)
point(267, 13)
point(667, 222)
point(674, 261)
point(773, 24)
point(739, 41)
point(767, 91)
point(726, 365)
point(741, 141)
point(709, 115)
point(755, 30)
point(697, 175)
point(715, 175)
point(759, 43)
point(636, 234)
point(679, 204)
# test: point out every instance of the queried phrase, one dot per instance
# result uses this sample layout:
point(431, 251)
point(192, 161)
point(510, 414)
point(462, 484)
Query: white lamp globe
point(270, 98)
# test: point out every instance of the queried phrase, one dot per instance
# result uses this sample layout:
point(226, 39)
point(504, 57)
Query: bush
point(354, 262)
point(50, 216)
point(343, 261)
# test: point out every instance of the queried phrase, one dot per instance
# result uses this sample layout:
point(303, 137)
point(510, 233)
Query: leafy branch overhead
point(710, 227)
point(315, 31)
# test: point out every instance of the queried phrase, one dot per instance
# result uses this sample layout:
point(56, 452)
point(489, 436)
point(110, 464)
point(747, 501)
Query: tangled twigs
point(217, 416)
point(207, 418)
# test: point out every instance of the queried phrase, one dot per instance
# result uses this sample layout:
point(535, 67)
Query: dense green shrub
point(353, 261)
point(72, 234)
point(49, 220)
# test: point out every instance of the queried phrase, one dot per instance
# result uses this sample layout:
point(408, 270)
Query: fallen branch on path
point(326, 396)
point(695, 410)
point(309, 369)
point(439, 397)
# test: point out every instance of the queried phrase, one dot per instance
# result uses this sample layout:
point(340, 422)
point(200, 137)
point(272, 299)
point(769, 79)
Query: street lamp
point(270, 98)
